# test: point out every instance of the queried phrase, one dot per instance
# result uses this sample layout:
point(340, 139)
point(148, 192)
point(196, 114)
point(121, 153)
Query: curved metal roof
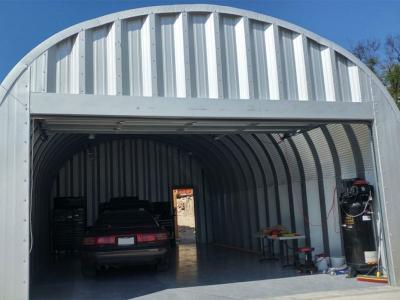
point(194, 51)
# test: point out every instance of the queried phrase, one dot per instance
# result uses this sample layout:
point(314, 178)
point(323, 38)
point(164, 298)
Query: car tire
point(88, 270)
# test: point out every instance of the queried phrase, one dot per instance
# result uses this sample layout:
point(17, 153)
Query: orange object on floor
point(366, 278)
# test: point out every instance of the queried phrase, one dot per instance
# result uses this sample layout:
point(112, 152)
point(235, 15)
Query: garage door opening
point(233, 183)
point(184, 215)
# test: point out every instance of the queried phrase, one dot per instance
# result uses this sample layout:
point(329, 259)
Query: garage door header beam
point(48, 104)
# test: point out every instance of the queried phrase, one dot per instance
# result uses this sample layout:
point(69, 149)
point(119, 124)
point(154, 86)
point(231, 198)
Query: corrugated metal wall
point(127, 167)
point(14, 189)
point(199, 54)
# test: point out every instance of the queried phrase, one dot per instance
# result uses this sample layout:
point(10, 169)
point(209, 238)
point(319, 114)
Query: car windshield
point(126, 218)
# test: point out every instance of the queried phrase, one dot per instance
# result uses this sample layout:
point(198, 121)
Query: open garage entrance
point(245, 175)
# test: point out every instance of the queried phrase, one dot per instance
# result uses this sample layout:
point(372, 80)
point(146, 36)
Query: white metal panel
point(314, 216)
point(365, 85)
point(387, 147)
point(299, 58)
point(364, 139)
point(259, 56)
point(318, 71)
point(146, 58)
point(271, 45)
point(354, 83)
point(166, 55)
point(289, 74)
point(39, 74)
point(199, 56)
point(101, 64)
point(14, 187)
point(179, 57)
point(342, 65)
point(229, 56)
point(111, 61)
point(136, 57)
point(211, 57)
point(243, 76)
point(329, 81)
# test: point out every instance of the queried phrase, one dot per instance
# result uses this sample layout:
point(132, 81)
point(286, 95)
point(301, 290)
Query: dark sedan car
point(130, 237)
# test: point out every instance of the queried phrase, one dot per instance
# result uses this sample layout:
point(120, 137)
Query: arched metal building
point(262, 117)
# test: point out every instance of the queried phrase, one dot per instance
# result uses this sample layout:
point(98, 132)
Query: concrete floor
point(203, 272)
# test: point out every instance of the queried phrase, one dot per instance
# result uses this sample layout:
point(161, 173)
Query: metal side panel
point(284, 205)
point(306, 157)
point(229, 56)
point(317, 71)
point(198, 55)
point(333, 219)
point(259, 56)
point(14, 190)
point(314, 216)
point(261, 196)
point(298, 207)
point(273, 217)
point(387, 146)
point(345, 153)
point(363, 135)
point(288, 64)
point(272, 205)
point(295, 182)
point(329, 180)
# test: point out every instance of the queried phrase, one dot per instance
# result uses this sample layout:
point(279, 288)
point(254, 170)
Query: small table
point(282, 239)
point(271, 251)
point(285, 253)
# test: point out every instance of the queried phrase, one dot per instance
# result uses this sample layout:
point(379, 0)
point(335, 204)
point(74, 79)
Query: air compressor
point(356, 207)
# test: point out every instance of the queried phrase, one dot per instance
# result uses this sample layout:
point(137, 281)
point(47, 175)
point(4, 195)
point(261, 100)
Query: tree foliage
point(385, 64)
point(368, 52)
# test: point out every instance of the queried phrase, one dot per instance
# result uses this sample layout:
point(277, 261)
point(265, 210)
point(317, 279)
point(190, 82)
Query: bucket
point(337, 262)
point(322, 263)
point(371, 257)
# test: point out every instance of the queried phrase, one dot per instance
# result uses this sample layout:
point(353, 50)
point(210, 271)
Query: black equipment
point(162, 213)
point(357, 225)
point(121, 203)
point(69, 223)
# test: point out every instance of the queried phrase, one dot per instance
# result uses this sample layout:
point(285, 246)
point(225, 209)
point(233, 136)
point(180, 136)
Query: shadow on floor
point(202, 272)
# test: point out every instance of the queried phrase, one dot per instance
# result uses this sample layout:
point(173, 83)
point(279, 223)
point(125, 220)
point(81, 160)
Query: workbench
point(283, 240)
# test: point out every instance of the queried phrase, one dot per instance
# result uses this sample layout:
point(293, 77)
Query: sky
point(26, 23)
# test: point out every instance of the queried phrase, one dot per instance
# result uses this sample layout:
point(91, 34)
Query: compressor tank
point(357, 225)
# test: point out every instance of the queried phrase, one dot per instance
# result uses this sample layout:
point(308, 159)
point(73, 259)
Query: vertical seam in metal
point(355, 147)
point(321, 193)
point(303, 190)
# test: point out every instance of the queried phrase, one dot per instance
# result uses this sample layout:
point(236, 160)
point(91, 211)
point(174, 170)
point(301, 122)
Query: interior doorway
point(184, 215)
